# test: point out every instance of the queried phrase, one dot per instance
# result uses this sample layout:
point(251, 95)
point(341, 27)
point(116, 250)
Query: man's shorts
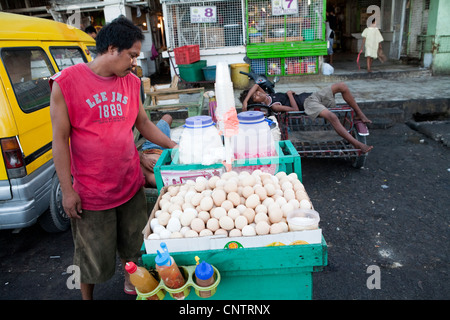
point(165, 128)
point(98, 235)
point(319, 101)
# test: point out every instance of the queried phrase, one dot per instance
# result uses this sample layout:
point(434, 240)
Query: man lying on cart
point(313, 104)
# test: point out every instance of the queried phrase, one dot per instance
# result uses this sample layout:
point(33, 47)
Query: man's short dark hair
point(90, 29)
point(120, 33)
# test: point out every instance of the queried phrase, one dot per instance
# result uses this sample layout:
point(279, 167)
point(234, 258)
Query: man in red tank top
point(93, 108)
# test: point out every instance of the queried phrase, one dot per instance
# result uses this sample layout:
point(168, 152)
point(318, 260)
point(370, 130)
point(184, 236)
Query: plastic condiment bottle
point(204, 276)
point(142, 279)
point(169, 271)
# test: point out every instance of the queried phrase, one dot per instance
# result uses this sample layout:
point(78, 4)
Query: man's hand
point(148, 160)
point(72, 204)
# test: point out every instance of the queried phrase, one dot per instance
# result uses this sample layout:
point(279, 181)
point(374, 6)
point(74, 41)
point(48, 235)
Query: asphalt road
point(390, 219)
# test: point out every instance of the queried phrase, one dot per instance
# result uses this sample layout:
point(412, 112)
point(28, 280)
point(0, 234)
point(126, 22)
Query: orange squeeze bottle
point(142, 279)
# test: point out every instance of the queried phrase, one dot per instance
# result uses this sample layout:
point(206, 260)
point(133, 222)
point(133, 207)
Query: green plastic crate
point(192, 72)
point(287, 159)
point(266, 273)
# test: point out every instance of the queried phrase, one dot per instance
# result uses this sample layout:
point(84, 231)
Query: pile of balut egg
point(234, 204)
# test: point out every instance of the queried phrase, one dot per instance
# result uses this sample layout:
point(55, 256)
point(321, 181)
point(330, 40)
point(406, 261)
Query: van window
point(29, 70)
point(66, 57)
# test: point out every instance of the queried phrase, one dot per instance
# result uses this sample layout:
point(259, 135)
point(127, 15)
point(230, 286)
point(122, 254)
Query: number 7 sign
point(282, 7)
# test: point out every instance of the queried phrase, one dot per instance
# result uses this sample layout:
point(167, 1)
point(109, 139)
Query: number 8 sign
point(203, 14)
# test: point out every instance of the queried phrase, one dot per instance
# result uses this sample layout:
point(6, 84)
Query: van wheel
point(55, 219)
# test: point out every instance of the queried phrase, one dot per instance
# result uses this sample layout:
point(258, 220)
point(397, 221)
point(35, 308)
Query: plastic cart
point(265, 273)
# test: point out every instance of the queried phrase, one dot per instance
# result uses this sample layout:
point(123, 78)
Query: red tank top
point(104, 159)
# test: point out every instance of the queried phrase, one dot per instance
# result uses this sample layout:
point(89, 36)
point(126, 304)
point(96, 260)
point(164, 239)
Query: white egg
point(284, 226)
point(158, 229)
point(226, 223)
point(270, 189)
point(230, 186)
point(281, 201)
point(261, 208)
point(234, 198)
point(252, 201)
point(186, 218)
point(301, 194)
point(153, 223)
point(157, 213)
point(240, 222)
point(295, 203)
point(249, 213)
point(163, 218)
point(174, 224)
point(221, 232)
point(191, 234)
point(280, 174)
point(178, 199)
point(233, 213)
point(176, 214)
point(212, 224)
point(187, 205)
point(218, 212)
point(289, 194)
point(218, 196)
point(204, 215)
point(248, 231)
point(212, 181)
point(305, 204)
point(235, 233)
point(205, 233)
point(261, 217)
point(206, 203)
point(176, 235)
point(188, 196)
point(227, 205)
point(247, 191)
point(262, 228)
point(241, 208)
point(173, 190)
point(196, 198)
point(153, 236)
point(275, 215)
point(220, 184)
point(184, 229)
point(248, 181)
point(287, 208)
point(165, 234)
point(276, 228)
point(293, 176)
point(261, 192)
point(268, 201)
point(197, 224)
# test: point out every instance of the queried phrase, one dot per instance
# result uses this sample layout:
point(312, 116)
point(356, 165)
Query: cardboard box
point(221, 242)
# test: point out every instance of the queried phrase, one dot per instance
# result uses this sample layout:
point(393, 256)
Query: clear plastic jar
point(254, 140)
point(200, 142)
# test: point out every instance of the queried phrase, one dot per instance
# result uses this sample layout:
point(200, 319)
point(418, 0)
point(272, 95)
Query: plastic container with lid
point(204, 277)
point(303, 219)
point(170, 273)
point(255, 140)
point(200, 142)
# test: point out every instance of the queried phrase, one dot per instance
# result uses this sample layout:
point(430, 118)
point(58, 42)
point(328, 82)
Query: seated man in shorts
point(150, 152)
point(314, 104)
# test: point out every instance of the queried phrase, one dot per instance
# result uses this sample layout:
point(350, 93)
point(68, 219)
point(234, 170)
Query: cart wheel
point(359, 161)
